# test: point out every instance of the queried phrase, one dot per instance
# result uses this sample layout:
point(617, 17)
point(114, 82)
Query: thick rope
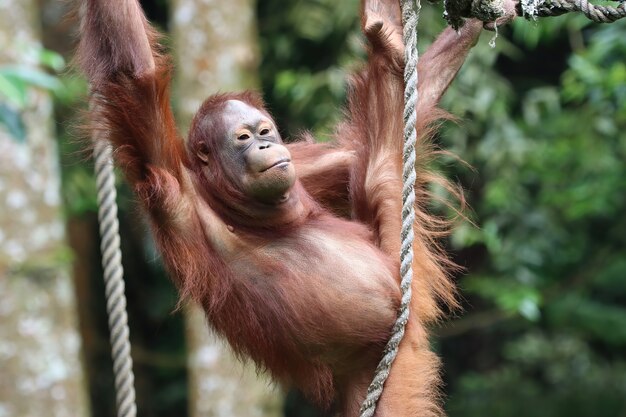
point(113, 278)
point(490, 10)
point(410, 17)
point(597, 13)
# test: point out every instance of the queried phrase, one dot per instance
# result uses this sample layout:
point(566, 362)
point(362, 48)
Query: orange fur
point(307, 289)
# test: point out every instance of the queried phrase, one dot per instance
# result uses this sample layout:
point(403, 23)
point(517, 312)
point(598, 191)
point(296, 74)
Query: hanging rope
point(410, 17)
point(113, 279)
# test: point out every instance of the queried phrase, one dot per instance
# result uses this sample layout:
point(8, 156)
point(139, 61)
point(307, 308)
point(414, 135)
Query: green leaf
point(52, 60)
point(13, 90)
point(31, 76)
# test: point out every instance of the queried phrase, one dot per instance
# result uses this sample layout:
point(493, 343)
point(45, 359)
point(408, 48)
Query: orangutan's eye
point(243, 136)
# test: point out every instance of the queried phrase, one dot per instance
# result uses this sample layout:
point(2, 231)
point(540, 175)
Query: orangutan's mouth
point(281, 163)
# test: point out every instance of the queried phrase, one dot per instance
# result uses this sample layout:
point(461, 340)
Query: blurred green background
point(541, 125)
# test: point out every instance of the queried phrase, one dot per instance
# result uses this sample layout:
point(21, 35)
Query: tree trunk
point(39, 342)
point(215, 46)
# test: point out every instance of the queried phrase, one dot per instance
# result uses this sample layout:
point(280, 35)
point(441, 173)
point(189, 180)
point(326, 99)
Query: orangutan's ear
point(202, 152)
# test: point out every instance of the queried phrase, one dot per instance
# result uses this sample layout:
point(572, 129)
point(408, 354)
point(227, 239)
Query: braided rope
point(490, 10)
point(596, 13)
point(113, 278)
point(410, 17)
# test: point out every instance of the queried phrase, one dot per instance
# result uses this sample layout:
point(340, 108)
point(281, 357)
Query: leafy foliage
point(548, 200)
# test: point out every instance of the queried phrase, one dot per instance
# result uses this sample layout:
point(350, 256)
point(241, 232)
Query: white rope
point(410, 17)
point(113, 279)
